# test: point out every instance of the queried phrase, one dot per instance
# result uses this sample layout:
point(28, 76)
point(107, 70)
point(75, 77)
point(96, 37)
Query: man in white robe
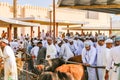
point(14, 45)
point(26, 44)
point(34, 51)
point(51, 49)
point(44, 42)
point(89, 40)
point(21, 45)
point(79, 44)
point(65, 40)
point(101, 58)
point(114, 57)
point(65, 51)
point(117, 42)
point(57, 47)
point(21, 37)
point(109, 44)
point(73, 47)
point(1, 54)
point(89, 58)
point(10, 67)
point(43, 34)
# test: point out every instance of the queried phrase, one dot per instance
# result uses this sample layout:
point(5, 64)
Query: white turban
point(75, 36)
point(87, 44)
point(117, 38)
point(109, 41)
point(49, 38)
point(70, 40)
point(5, 41)
point(101, 37)
point(35, 42)
point(59, 41)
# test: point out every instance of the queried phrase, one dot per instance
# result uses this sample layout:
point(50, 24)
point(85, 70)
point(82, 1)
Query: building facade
point(94, 19)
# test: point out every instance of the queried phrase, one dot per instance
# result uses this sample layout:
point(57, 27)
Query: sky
point(42, 3)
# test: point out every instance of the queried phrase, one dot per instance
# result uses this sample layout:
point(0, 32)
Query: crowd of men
point(97, 50)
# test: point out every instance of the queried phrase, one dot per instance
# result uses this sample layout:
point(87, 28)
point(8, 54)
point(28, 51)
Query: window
point(92, 15)
point(32, 16)
point(38, 16)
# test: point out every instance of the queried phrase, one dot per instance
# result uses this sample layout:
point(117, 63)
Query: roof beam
point(92, 6)
point(91, 29)
point(113, 10)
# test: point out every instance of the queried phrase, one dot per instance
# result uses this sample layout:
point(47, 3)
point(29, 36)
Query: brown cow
point(55, 76)
point(76, 70)
point(76, 59)
point(1, 70)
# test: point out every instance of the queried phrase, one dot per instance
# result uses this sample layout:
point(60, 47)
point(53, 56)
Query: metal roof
point(93, 28)
point(107, 6)
point(46, 21)
point(6, 21)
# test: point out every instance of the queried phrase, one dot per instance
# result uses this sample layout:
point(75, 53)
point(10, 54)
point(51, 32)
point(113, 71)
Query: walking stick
point(26, 67)
point(26, 70)
point(96, 70)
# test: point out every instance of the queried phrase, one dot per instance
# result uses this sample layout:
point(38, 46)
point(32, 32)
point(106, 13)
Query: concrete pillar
point(110, 32)
point(82, 31)
point(67, 28)
point(31, 32)
point(38, 32)
point(10, 32)
point(56, 29)
point(98, 31)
